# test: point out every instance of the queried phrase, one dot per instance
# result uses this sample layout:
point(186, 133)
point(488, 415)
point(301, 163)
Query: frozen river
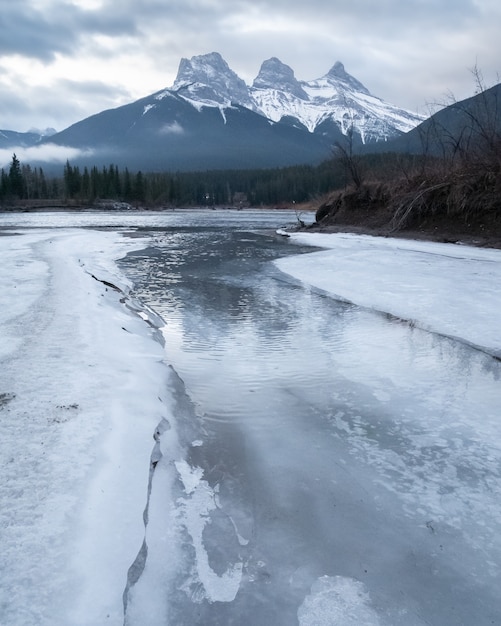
point(350, 456)
point(314, 462)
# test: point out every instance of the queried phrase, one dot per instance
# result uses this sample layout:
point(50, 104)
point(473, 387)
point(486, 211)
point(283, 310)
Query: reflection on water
point(350, 452)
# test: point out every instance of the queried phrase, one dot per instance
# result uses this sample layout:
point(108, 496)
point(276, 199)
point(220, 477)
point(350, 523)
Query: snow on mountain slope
point(338, 97)
point(334, 101)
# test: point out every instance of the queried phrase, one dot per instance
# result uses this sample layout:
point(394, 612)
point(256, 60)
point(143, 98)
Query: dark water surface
point(356, 460)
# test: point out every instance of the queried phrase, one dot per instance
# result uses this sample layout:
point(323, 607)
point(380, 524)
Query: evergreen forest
point(21, 183)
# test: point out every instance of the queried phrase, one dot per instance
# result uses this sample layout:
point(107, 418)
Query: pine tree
point(139, 191)
point(127, 186)
point(4, 184)
point(43, 188)
point(16, 182)
point(85, 189)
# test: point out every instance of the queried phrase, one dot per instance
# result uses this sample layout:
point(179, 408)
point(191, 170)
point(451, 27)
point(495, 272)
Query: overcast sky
point(63, 60)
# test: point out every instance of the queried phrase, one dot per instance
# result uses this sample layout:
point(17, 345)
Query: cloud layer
point(61, 61)
point(47, 153)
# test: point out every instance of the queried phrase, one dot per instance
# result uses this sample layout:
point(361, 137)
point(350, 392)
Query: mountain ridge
point(337, 97)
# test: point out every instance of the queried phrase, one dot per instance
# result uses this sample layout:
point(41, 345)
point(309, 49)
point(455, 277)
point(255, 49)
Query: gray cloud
point(37, 34)
point(172, 129)
point(58, 106)
point(46, 153)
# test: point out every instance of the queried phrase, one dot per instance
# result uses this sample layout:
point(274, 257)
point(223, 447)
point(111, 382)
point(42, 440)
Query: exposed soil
point(474, 220)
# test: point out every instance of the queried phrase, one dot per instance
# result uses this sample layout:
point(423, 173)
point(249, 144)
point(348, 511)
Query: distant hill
point(12, 139)
point(454, 127)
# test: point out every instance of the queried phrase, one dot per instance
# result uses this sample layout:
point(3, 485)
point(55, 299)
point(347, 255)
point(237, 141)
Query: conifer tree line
point(218, 187)
point(21, 181)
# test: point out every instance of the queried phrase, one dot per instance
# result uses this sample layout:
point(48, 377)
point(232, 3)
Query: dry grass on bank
point(460, 200)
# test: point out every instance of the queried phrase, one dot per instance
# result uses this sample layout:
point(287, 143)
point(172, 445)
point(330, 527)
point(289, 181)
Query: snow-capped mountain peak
point(276, 75)
point(208, 79)
point(339, 76)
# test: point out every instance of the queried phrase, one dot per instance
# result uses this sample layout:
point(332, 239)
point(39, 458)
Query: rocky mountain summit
point(209, 80)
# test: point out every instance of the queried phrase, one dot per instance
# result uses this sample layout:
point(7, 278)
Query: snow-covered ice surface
point(449, 289)
point(83, 386)
point(318, 464)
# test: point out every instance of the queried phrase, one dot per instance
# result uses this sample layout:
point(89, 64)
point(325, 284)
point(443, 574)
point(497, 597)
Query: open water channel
point(349, 453)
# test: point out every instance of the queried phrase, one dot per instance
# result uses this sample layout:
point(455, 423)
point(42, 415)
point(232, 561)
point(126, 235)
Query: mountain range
point(211, 119)
point(327, 105)
point(11, 138)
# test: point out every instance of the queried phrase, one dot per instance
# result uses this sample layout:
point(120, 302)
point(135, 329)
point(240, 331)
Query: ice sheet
point(449, 289)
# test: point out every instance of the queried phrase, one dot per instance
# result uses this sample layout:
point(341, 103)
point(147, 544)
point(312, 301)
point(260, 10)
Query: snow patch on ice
point(190, 476)
point(195, 513)
point(337, 601)
point(241, 540)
